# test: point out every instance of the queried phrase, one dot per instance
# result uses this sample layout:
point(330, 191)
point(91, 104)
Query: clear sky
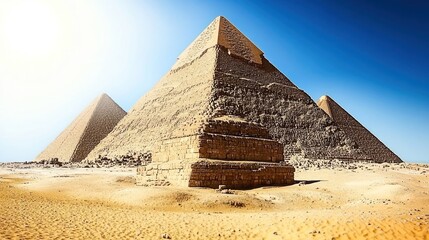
point(56, 56)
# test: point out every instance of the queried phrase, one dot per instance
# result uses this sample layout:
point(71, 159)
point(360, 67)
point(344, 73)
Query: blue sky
point(56, 56)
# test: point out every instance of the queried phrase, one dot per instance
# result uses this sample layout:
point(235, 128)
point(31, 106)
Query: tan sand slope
point(371, 202)
point(85, 132)
point(369, 143)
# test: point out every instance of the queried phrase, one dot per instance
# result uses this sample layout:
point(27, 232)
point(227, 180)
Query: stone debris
point(223, 190)
point(49, 164)
point(226, 191)
point(302, 164)
point(84, 133)
point(236, 204)
point(165, 236)
point(132, 159)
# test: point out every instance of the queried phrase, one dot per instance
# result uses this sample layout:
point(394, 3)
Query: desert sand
point(370, 202)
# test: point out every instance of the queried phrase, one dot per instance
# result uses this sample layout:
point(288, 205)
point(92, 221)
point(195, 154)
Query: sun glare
point(30, 29)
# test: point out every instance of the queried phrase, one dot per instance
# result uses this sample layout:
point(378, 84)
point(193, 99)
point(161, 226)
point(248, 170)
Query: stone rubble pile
point(300, 163)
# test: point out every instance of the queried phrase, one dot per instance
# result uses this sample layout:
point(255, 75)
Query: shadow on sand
point(306, 182)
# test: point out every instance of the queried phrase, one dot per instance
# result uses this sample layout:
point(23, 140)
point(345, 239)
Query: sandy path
point(103, 204)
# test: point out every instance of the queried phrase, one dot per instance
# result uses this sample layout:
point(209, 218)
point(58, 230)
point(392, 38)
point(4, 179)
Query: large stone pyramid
point(85, 132)
point(370, 144)
point(223, 103)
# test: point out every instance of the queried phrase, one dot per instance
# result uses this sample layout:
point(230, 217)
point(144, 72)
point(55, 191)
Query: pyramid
point(370, 144)
point(224, 108)
point(85, 132)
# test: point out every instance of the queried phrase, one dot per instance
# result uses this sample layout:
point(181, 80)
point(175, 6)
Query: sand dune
point(380, 203)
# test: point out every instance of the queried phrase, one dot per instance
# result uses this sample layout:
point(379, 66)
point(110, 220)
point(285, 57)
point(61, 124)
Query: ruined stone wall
point(209, 173)
point(240, 175)
point(164, 173)
point(224, 140)
point(231, 138)
point(227, 147)
point(263, 95)
point(177, 149)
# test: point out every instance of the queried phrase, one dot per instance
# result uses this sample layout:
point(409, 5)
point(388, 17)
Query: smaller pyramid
point(369, 143)
point(85, 132)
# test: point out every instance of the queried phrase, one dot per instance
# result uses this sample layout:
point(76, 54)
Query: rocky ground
point(302, 164)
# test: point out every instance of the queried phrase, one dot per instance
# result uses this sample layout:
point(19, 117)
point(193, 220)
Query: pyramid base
point(175, 173)
point(240, 175)
point(212, 173)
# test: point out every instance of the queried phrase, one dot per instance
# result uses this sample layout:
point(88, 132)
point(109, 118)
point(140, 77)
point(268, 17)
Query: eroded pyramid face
point(223, 75)
point(85, 132)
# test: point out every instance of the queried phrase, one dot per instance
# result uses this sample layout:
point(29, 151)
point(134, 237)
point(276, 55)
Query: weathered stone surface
point(164, 173)
point(263, 95)
point(220, 32)
point(370, 144)
point(228, 138)
point(176, 107)
point(212, 84)
point(212, 173)
point(223, 100)
point(85, 132)
point(240, 175)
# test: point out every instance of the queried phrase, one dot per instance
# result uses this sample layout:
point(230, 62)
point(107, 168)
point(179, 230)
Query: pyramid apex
point(104, 96)
point(220, 17)
point(105, 100)
point(324, 98)
point(237, 43)
point(221, 32)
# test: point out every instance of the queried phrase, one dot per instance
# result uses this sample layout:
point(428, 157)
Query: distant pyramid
point(366, 141)
point(85, 132)
point(222, 100)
